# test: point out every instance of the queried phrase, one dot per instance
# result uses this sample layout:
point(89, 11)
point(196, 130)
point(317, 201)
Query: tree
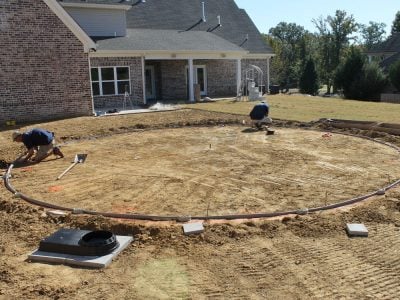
point(372, 82)
point(334, 36)
point(396, 23)
point(308, 83)
point(348, 73)
point(372, 34)
point(287, 41)
point(394, 75)
point(359, 79)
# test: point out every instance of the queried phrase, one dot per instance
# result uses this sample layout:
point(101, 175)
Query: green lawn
point(306, 108)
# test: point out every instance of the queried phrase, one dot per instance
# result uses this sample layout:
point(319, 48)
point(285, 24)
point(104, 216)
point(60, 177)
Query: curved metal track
point(44, 204)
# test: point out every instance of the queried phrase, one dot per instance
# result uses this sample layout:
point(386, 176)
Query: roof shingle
point(185, 15)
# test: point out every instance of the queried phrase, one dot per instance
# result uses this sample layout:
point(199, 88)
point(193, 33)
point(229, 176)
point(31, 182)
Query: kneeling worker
point(259, 115)
point(37, 140)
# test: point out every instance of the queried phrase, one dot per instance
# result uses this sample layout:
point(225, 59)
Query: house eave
point(60, 12)
point(258, 55)
point(170, 55)
point(98, 6)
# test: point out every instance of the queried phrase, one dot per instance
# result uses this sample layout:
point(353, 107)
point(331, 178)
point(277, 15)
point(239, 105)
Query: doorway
point(199, 77)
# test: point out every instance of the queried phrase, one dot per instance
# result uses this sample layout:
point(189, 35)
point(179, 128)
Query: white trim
point(94, 5)
point(204, 67)
point(143, 80)
point(196, 79)
point(169, 55)
point(191, 80)
point(59, 11)
point(91, 87)
point(238, 76)
point(258, 56)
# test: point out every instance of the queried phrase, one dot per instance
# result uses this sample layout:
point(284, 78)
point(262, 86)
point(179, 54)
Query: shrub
point(358, 79)
point(394, 75)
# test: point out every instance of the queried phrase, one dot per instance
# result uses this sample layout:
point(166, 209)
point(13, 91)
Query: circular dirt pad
point(225, 170)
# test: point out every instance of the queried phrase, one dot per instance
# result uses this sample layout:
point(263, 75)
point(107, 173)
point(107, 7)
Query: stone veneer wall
point(44, 71)
point(135, 69)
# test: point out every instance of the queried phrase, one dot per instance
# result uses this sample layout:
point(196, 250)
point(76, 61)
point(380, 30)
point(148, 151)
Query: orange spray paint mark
point(55, 188)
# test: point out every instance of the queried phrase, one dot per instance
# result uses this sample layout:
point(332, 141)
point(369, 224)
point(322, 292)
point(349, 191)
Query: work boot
point(57, 152)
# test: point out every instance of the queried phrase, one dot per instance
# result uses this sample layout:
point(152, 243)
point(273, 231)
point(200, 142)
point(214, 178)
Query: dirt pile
point(296, 257)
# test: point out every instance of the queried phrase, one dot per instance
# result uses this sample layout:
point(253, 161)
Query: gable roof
point(185, 15)
point(386, 63)
point(392, 44)
point(237, 27)
point(168, 40)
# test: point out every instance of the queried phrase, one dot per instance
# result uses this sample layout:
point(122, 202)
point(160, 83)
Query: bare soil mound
point(302, 257)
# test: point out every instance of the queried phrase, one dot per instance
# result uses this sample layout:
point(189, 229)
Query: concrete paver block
point(356, 230)
point(193, 228)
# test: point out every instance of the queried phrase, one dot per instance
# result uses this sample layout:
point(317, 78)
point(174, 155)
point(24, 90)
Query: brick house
point(387, 52)
point(67, 58)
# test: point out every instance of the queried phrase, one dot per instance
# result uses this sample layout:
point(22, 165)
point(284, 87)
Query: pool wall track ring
point(381, 191)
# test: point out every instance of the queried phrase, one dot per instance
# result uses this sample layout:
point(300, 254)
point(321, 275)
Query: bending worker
point(37, 141)
point(259, 115)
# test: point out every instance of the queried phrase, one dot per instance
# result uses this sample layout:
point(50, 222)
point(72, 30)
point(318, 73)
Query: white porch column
point(238, 76)
point(191, 80)
point(143, 81)
point(267, 87)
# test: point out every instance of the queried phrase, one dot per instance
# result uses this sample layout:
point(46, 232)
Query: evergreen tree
point(394, 75)
point(372, 82)
point(358, 79)
point(309, 79)
point(350, 72)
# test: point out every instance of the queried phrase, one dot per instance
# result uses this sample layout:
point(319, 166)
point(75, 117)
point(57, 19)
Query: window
point(110, 81)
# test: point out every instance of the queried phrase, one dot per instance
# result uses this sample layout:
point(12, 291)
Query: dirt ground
point(184, 162)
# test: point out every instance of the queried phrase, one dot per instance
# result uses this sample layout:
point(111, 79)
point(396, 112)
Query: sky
point(267, 14)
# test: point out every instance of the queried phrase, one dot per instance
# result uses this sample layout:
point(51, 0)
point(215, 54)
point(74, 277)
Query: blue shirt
point(37, 137)
point(259, 111)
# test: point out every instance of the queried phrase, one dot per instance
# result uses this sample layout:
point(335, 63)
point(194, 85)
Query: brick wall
point(173, 78)
point(135, 68)
point(221, 77)
point(261, 63)
point(43, 68)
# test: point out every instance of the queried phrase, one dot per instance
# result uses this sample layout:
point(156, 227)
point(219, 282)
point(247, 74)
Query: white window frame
point(101, 81)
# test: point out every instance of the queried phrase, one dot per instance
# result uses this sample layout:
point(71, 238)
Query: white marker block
point(356, 230)
point(193, 228)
